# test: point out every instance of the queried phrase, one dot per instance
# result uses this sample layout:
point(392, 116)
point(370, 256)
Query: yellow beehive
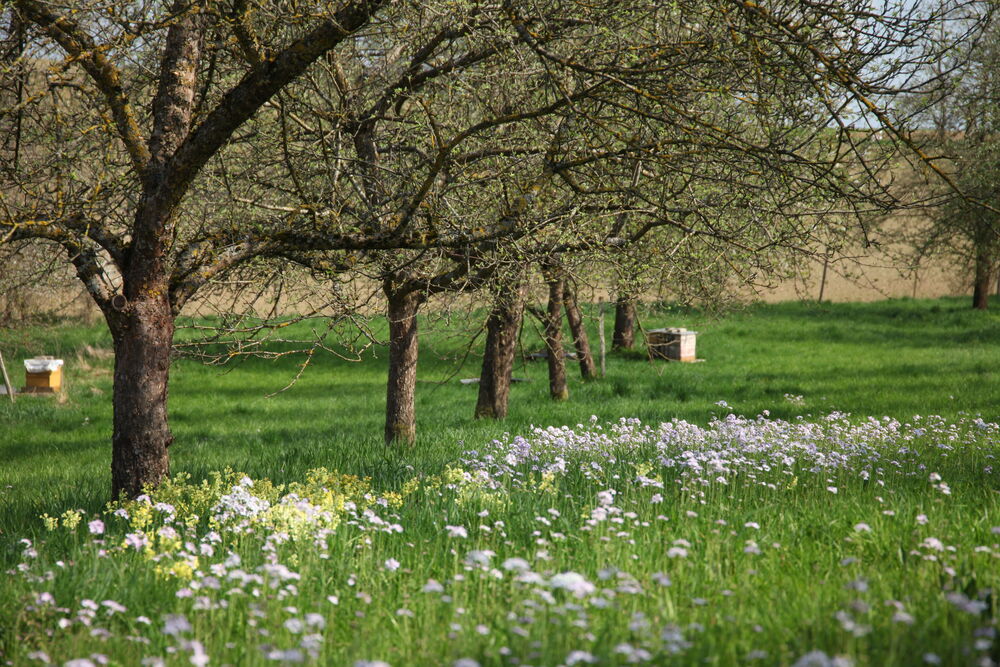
point(42, 375)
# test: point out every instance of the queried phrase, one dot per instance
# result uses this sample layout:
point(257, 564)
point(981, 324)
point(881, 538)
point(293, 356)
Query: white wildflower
point(574, 583)
point(516, 564)
point(456, 531)
point(433, 586)
point(932, 543)
point(576, 657)
point(175, 624)
point(479, 557)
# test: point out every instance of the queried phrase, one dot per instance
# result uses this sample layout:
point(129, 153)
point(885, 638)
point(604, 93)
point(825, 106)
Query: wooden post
point(6, 380)
point(822, 281)
point(600, 330)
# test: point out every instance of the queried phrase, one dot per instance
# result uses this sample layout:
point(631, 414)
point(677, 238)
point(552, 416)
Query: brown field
point(864, 275)
point(870, 278)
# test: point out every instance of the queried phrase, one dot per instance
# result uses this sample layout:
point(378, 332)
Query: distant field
point(868, 275)
point(871, 279)
point(790, 540)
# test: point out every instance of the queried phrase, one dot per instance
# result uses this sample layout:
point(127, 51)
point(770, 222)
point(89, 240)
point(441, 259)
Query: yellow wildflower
point(71, 519)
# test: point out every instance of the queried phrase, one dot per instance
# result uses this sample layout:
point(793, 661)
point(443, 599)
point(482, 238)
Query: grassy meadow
point(802, 537)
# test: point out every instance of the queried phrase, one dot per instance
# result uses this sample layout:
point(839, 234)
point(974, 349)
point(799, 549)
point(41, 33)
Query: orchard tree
point(967, 231)
point(127, 104)
point(164, 144)
point(497, 137)
point(960, 120)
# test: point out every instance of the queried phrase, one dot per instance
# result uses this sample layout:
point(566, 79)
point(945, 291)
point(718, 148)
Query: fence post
point(600, 332)
point(6, 380)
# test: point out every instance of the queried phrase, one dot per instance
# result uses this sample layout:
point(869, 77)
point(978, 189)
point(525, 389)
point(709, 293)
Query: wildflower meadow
point(820, 539)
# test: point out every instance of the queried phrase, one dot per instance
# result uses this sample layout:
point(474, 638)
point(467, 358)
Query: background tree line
point(959, 120)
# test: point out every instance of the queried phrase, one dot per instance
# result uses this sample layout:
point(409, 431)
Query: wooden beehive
point(42, 375)
point(672, 344)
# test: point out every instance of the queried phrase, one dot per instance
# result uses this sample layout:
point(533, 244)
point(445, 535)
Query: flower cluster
point(617, 543)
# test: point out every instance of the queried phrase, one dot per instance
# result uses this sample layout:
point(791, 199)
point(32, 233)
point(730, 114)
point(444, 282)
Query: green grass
point(898, 358)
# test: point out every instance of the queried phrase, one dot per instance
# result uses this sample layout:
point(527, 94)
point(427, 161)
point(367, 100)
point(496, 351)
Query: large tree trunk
point(587, 367)
point(984, 279)
point(142, 334)
point(141, 318)
point(624, 336)
point(400, 414)
point(502, 329)
point(553, 337)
